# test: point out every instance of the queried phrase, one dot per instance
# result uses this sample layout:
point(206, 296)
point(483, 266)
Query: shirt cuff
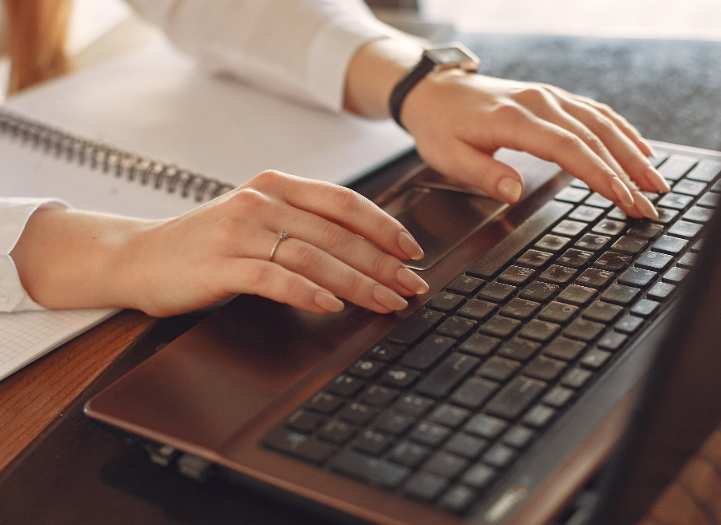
point(14, 215)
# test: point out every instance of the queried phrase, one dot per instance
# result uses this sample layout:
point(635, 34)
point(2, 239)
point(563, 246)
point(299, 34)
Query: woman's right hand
point(340, 245)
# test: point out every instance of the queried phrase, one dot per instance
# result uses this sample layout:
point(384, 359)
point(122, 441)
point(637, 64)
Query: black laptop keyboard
point(453, 395)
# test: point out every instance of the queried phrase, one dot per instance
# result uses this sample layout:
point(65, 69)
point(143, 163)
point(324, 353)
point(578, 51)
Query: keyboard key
point(552, 243)
point(558, 396)
point(670, 245)
point(675, 275)
point(675, 201)
point(539, 291)
point(337, 431)
point(661, 291)
point(698, 214)
point(449, 416)
point(409, 454)
point(564, 348)
point(393, 422)
point(654, 260)
point(498, 369)
point(366, 369)
point(415, 326)
point(458, 498)
point(705, 171)
point(425, 486)
point(325, 403)
point(697, 246)
point(595, 358)
point(688, 260)
point(456, 327)
point(585, 214)
point(413, 404)
point(687, 230)
point(592, 242)
point(645, 308)
point(665, 215)
point(558, 274)
point(385, 351)
point(299, 445)
point(539, 416)
point(576, 377)
point(445, 301)
point(518, 349)
point(429, 433)
point(598, 201)
point(629, 245)
point(372, 442)
point(474, 392)
point(499, 455)
point(569, 228)
point(518, 436)
point(399, 377)
point(609, 227)
point(575, 258)
point(539, 330)
point(583, 330)
point(594, 278)
point(515, 397)
point(628, 324)
point(645, 230)
point(617, 215)
point(476, 309)
point(445, 464)
point(603, 312)
point(558, 312)
point(430, 350)
point(544, 368)
point(358, 413)
point(611, 341)
point(576, 294)
point(612, 261)
point(676, 166)
point(710, 200)
point(637, 277)
point(497, 292)
point(479, 344)
point(516, 275)
point(479, 475)
point(443, 378)
point(466, 445)
point(465, 285)
point(689, 187)
point(574, 195)
point(345, 385)
point(486, 426)
point(520, 308)
point(499, 326)
point(304, 420)
point(620, 294)
point(369, 468)
point(534, 258)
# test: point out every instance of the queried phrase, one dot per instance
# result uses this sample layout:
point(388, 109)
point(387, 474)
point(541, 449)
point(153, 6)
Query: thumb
point(473, 168)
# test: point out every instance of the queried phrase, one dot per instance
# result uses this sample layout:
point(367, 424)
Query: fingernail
point(410, 247)
point(409, 280)
point(328, 301)
point(510, 190)
point(388, 298)
point(644, 206)
point(657, 179)
point(622, 192)
point(650, 148)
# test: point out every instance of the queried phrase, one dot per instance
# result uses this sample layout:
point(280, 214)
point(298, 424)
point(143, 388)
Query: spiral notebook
point(149, 134)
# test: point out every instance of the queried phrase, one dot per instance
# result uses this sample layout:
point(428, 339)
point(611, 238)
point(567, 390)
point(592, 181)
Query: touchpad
point(440, 218)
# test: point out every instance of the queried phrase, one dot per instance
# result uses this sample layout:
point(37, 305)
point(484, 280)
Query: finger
point(619, 145)
point(344, 207)
point(278, 284)
point(353, 251)
point(337, 277)
point(476, 169)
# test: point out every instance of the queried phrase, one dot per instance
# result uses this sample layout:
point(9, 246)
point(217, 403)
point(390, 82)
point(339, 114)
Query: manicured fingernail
point(409, 280)
point(388, 298)
point(410, 247)
point(658, 180)
point(650, 148)
point(510, 190)
point(622, 192)
point(328, 301)
point(644, 206)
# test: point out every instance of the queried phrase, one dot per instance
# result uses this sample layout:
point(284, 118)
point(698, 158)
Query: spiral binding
point(110, 160)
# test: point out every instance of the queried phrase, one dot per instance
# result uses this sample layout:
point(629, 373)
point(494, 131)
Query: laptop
point(494, 398)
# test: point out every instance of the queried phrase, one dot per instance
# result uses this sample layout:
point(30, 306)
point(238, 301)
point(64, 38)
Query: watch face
point(447, 55)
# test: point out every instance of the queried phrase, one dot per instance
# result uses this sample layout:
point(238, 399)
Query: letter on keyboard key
point(447, 375)
point(412, 328)
point(515, 397)
point(430, 350)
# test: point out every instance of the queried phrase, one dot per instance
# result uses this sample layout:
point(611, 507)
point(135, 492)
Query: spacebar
point(488, 265)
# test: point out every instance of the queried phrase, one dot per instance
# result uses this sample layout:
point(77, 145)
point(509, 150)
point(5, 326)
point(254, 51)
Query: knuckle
point(510, 114)
point(306, 257)
point(248, 199)
point(533, 95)
point(336, 236)
point(567, 140)
point(347, 199)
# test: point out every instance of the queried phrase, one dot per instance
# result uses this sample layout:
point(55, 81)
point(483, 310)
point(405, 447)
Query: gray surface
point(669, 89)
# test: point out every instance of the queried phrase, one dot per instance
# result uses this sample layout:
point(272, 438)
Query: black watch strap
point(436, 58)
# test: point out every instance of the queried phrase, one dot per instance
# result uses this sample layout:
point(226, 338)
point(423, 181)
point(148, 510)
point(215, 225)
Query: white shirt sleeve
point(14, 215)
point(297, 48)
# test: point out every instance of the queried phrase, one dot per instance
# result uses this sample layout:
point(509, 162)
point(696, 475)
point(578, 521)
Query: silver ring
point(282, 235)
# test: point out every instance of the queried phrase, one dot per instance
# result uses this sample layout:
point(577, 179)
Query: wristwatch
point(437, 58)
